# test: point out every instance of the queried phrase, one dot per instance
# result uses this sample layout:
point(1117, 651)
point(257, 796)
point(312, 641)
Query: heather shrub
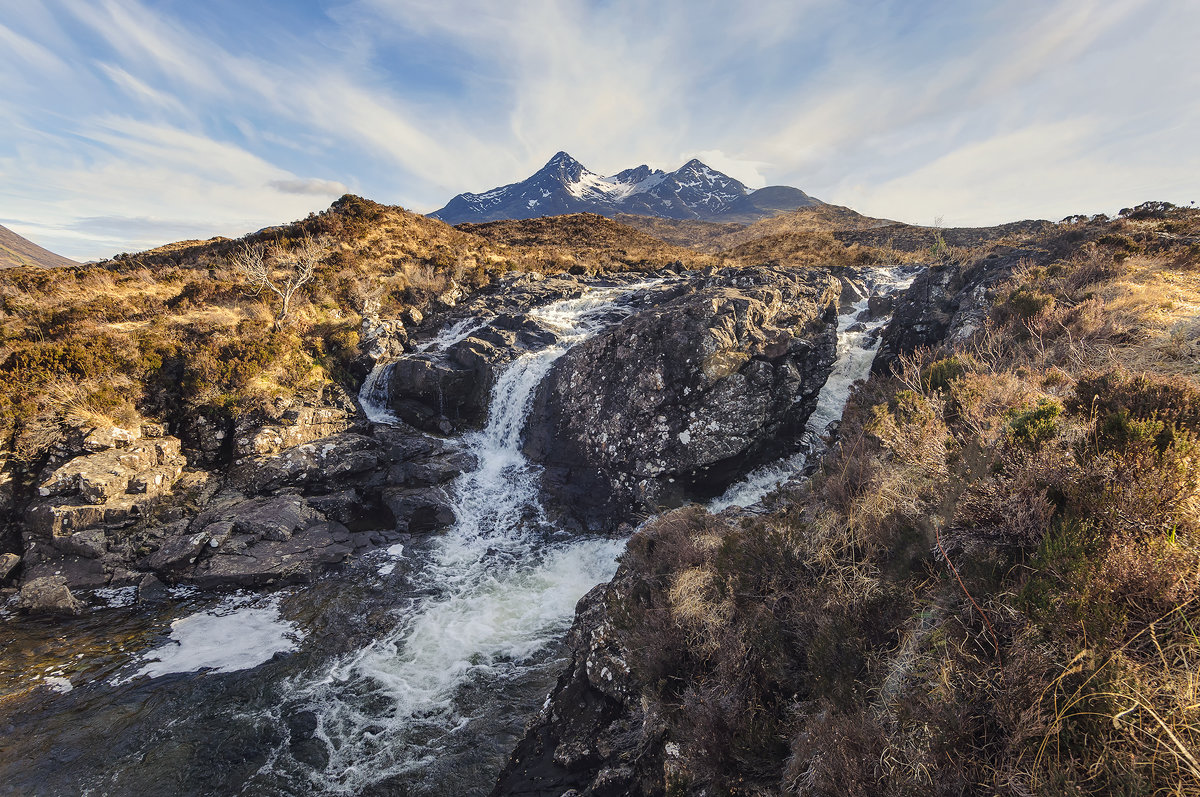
point(939, 374)
point(1027, 303)
point(1030, 428)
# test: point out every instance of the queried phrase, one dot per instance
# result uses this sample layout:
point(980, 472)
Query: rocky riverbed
point(409, 560)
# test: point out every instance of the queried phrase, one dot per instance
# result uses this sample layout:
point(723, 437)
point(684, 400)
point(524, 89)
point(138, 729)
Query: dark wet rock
point(429, 471)
point(151, 590)
point(207, 436)
point(442, 391)
point(516, 293)
point(593, 735)
point(8, 563)
point(90, 544)
point(306, 465)
point(182, 549)
point(426, 388)
point(853, 291)
point(880, 305)
point(77, 572)
point(273, 518)
point(247, 562)
point(48, 595)
point(680, 399)
point(922, 314)
point(946, 304)
point(420, 511)
point(345, 506)
point(431, 390)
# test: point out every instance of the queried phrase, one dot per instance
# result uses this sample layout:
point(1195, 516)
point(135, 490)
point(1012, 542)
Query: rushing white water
point(374, 396)
point(857, 343)
point(500, 592)
point(452, 334)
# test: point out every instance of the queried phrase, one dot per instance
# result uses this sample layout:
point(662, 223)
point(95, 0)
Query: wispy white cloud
point(130, 185)
point(17, 51)
point(310, 186)
point(140, 91)
point(131, 123)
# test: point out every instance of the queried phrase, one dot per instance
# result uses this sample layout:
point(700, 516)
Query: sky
point(132, 123)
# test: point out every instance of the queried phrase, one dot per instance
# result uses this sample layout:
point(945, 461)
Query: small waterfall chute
point(858, 340)
point(499, 595)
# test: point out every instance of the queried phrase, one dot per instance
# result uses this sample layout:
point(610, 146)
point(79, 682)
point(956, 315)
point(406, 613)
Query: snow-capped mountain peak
point(564, 185)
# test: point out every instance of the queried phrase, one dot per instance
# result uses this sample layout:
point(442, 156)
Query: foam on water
point(239, 634)
point(452, 334)
point(117, 597)
point(500, 593)
point(857, 343)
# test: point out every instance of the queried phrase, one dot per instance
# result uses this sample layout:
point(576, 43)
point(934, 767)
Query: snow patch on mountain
point(564, 185)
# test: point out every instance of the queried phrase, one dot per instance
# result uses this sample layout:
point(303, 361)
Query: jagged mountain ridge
point(564, 185)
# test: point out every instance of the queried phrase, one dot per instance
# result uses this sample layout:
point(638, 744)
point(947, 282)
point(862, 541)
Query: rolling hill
point(16, 250)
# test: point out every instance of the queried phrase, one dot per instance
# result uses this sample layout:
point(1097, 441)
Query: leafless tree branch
point(282, 271)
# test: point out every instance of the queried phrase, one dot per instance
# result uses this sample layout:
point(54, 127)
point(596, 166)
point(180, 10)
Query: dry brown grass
point(585, 240)
point(992, 586)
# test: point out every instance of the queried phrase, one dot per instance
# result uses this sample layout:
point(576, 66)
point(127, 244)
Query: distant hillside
point(18, 251)
point(912, 238)
point(588, 238)
point(564, 185)
point(703, 236)
point(718, 237)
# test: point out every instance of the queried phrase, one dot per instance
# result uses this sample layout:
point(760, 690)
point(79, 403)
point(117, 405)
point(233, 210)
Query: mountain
point(18, 251)
point(564, 185)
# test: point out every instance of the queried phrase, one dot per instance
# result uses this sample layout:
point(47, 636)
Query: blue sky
point(129, 124)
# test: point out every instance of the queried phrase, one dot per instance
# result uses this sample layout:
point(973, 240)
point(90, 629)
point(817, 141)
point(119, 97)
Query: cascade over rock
point(678, 400)
point(593, 736)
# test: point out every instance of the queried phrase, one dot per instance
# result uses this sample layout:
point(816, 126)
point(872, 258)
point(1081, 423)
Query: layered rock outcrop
point(678, 400)
point(123, 507)
point(947, 304)
point(103, 482)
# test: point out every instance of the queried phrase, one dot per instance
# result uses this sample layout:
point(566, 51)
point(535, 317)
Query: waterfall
point(500, 589)
point(857, 342)
point(374, 396)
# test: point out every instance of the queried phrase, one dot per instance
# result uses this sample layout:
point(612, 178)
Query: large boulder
point(92, 498)
point(445, 390)
point(947, 303)
point(249, 562)
point(48, 595)
point(8, 563)
point(593, 734)
point(680, 399)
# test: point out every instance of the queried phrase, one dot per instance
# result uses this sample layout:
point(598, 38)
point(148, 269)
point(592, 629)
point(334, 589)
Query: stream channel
point(410, 671)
